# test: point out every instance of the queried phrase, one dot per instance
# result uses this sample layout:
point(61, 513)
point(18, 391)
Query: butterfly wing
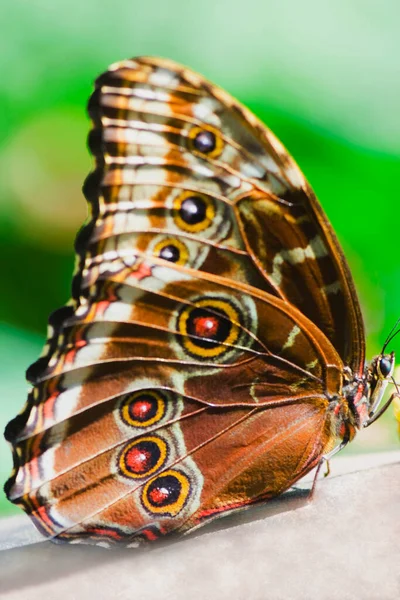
point(194, 369)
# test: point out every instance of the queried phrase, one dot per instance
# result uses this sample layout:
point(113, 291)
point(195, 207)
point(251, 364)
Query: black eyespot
point(173, 250)
point(385, 366)
point(193, 210)
point(205, 141)
point(170, 253)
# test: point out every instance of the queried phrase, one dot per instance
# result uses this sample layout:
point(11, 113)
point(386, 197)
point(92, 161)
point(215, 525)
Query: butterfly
point(212, 353)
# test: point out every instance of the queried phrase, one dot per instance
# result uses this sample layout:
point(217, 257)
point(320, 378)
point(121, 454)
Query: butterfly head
point(379, 375)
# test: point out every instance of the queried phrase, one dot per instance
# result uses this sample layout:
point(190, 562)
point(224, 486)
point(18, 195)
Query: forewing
point(264, 225)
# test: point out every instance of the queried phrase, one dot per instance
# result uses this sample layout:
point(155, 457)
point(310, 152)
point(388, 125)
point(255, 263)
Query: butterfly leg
point(314, 484)
point(379, 413)
point(325, 459)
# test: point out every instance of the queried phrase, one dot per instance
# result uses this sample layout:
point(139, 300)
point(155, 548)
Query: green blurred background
point(325, 76)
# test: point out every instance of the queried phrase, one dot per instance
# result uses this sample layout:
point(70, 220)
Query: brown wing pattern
point(197, 366)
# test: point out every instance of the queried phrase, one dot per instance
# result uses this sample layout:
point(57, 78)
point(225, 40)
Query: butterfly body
point(213, 349)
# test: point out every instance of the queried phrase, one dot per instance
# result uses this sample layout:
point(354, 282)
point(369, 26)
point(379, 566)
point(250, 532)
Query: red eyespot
point(206, 326)
point(167, 493)
point(138, 460)
point(141, 410)
point(210, 327)
point(159, 495)
point(143, 457)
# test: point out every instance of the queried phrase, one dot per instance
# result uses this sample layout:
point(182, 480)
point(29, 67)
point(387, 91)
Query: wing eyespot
point(143, 457)
point(143, 408)
point(172, 250)
point(193, 212)
point(209, 328)
point(206, 141)
point(167, 493)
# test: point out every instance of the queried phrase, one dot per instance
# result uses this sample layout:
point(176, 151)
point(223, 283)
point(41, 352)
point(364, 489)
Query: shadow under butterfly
point(212, 353)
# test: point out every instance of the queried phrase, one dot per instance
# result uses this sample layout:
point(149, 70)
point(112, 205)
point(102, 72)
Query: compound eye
point(385, 365)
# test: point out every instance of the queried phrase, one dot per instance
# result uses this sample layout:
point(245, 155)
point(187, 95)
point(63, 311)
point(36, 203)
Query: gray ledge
point(343, 544)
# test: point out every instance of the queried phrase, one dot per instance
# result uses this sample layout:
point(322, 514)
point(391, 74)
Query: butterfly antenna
point(390, 339)
point(391, 335)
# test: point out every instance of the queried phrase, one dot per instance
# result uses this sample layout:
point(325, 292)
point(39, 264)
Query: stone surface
point(343, 544)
